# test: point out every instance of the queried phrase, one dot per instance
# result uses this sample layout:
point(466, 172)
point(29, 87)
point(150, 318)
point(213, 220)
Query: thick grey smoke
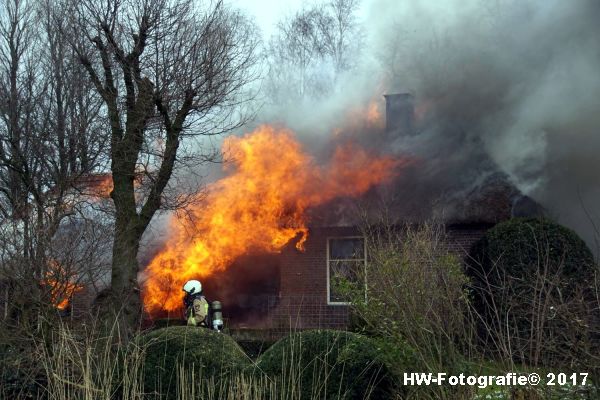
point(505, 87)
point(518, 79)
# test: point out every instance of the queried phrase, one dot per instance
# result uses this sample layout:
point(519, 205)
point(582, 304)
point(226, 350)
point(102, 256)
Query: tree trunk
point(125, 293)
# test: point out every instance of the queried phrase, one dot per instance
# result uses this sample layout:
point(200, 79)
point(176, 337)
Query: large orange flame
point(260, 205)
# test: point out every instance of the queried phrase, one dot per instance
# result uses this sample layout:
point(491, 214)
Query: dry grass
point(83, 364)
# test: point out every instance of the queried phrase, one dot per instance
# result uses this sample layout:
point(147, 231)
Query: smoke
point(506, 90)
point(516, 79)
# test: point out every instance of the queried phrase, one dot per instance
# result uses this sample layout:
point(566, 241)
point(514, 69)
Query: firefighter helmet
point(192, 287)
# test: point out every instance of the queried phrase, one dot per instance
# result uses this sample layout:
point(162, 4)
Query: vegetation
point(51, 135)
point(206, 354)
point(185, 363)
point(519, 243)
point(415, 296)
point(535, 295)
point(334, 364)
point(415, 293)
point(310, 50)
point(418, 294)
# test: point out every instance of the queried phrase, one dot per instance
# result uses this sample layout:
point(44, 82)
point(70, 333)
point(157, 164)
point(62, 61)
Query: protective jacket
point(197, 312)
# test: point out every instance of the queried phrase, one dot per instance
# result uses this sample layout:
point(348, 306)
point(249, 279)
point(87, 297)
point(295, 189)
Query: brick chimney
point(399, 113)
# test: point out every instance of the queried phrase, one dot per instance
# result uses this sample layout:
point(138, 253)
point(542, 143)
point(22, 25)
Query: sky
point(268, 12)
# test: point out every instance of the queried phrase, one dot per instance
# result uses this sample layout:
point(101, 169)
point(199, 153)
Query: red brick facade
point(303, 288)
point(303, 299)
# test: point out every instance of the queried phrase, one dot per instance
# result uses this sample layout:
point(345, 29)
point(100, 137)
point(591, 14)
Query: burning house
point(307, 297)
point(272, 235)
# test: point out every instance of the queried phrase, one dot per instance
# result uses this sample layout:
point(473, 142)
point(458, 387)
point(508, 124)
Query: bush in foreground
point(181, 356)
point(331, 364)
point(533, 285)
point(415, 292)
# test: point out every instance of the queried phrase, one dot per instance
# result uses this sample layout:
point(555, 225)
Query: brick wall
point(302, 301)
point(462, 236)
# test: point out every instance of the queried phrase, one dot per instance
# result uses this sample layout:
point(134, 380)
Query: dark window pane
point(346, 249)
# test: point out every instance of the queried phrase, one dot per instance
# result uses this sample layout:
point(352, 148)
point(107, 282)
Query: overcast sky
point(268, 12)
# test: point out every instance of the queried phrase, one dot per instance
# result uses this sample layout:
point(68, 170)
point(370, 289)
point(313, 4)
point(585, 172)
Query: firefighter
point(196, 306)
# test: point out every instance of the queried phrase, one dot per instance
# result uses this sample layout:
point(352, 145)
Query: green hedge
point(334, 365)
point(518, 243)
point(532, 281)
point(209, 354)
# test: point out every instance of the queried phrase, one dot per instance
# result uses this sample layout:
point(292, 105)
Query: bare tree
point(312, 48)
point(48, 138)
point(166, 70)
point(341, 33)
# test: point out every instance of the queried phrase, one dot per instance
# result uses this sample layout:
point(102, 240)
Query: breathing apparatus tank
point(217, 316)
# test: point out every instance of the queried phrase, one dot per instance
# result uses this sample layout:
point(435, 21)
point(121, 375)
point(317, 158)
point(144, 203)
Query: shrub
point(333, 364)
point(20, 375)
point(533, 290)
point(206, 354)
point(519, 244)
point(415, 292)
point(254, 348)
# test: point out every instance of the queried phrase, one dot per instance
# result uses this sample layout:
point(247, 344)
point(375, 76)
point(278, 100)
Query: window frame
point(328, 260)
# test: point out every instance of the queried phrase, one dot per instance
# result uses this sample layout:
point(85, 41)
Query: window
point(346, 260)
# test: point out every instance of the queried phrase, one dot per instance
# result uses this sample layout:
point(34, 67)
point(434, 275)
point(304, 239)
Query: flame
point(61, 287)
point(103, 187)
point(259, 205)
point(368, 116)
point(373, 115)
